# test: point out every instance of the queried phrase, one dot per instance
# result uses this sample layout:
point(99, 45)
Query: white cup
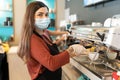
point(112, 55)
point(93, 23)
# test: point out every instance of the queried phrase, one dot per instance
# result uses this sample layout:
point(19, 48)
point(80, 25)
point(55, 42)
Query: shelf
point(6, 10)
point(89, 33)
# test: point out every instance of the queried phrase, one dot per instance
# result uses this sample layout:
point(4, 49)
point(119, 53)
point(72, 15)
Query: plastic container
point(93, 56)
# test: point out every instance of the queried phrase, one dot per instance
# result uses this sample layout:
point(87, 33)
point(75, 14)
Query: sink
point(103, 69)
point(97, 70)
point(97, 67)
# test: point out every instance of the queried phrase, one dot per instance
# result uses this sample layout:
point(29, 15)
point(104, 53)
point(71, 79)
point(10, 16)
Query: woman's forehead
point(42, 9)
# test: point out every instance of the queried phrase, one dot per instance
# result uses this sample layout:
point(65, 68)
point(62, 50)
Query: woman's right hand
point(76, 50)
point(70, 50)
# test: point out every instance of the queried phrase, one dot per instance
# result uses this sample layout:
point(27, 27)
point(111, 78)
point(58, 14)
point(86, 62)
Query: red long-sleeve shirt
point(41, 57)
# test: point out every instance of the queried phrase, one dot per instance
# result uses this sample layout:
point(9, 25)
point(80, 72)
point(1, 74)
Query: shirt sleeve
point(40, 52)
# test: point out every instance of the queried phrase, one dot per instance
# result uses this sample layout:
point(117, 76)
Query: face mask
point(42, 23)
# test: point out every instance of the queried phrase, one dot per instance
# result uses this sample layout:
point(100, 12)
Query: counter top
point(13, 50)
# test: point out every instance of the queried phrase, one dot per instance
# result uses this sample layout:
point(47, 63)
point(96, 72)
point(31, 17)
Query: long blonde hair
point(27, 29)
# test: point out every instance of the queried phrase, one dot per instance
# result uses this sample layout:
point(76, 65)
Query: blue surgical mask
point(42, 23)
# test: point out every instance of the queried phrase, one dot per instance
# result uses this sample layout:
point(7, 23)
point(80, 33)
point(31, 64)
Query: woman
point(36, 48)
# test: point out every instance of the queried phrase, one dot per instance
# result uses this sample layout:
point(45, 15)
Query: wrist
point(70, 51)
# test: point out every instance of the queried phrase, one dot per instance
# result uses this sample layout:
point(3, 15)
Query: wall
point(19, 10)
point(91, 14)
point(60, 6)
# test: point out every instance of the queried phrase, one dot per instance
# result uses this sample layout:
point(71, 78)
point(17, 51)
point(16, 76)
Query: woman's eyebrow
point(40, 12)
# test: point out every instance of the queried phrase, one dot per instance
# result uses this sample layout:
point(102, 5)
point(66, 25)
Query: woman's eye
point(39, 14)
point(47, 15)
